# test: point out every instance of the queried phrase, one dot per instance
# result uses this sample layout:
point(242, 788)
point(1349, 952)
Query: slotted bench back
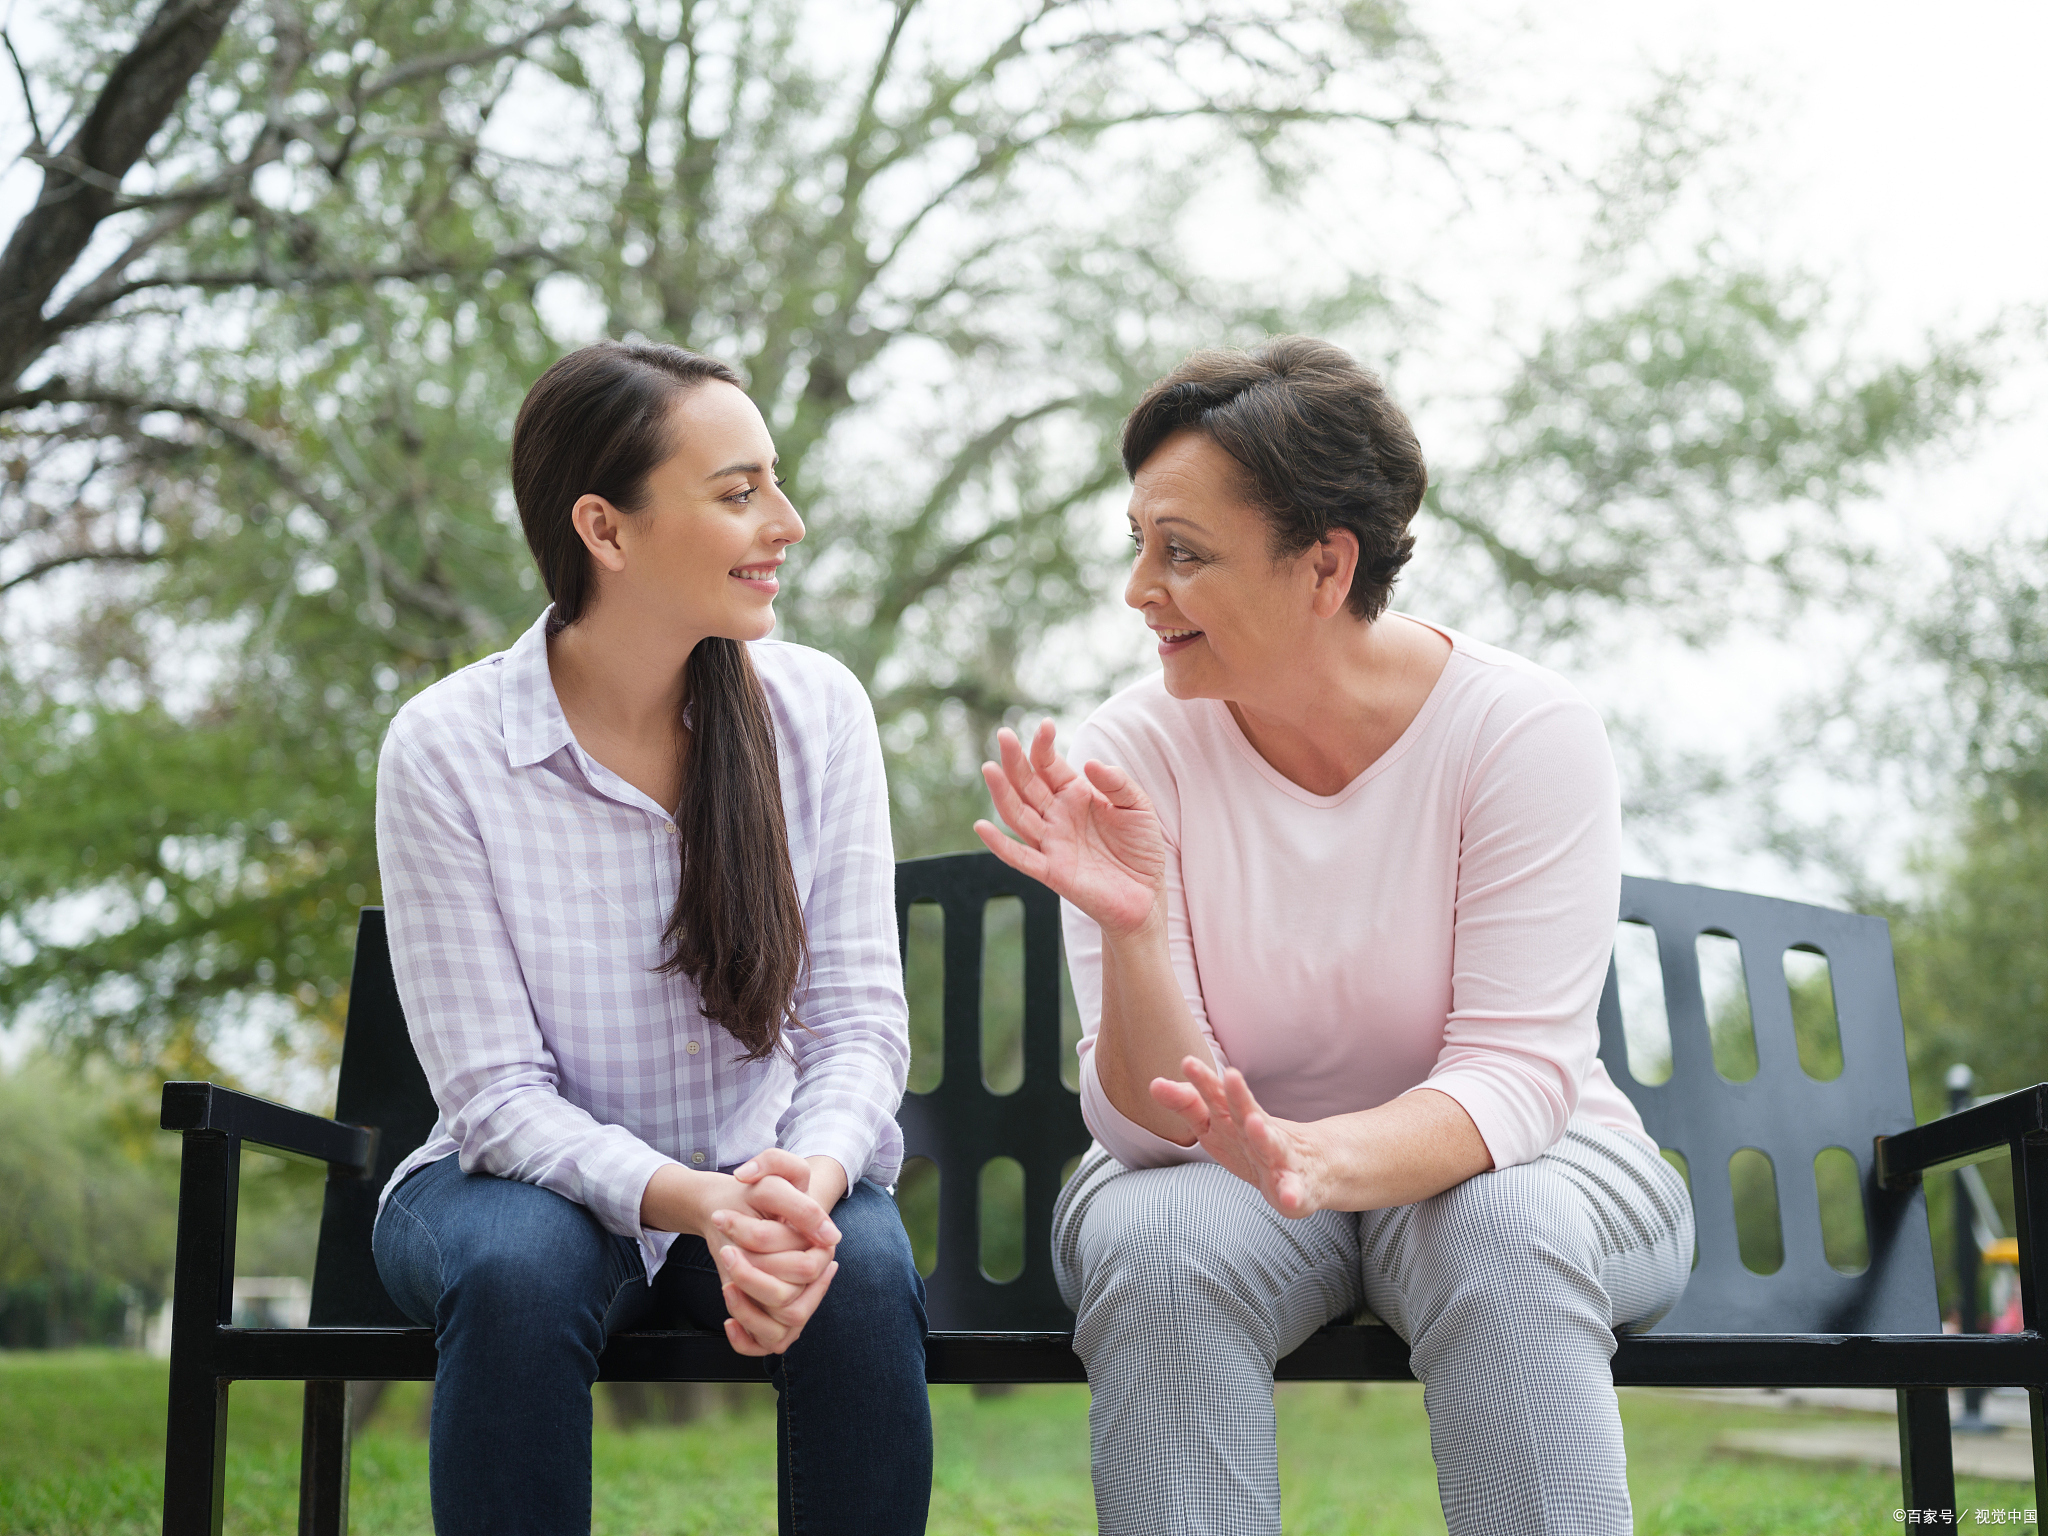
point(1782, 1112)
point(961, 1124)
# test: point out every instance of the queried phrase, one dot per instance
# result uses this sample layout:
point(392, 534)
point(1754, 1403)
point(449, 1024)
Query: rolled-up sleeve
point(852, 1040)
point(472, 1023)
point(1539, 885)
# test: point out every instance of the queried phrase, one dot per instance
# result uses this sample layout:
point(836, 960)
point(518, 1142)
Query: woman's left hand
point(1279, 1158)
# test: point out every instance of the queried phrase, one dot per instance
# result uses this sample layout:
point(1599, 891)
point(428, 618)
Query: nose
point(1141, 590)
point(789, 526)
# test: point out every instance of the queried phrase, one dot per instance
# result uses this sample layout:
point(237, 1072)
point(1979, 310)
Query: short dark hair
point(1321, 445)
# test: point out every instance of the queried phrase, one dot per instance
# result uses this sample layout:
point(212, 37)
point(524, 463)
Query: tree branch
point(43, 568)
point(141, 91)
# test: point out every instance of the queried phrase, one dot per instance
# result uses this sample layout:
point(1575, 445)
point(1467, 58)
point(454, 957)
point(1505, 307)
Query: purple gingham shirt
point(526, 886)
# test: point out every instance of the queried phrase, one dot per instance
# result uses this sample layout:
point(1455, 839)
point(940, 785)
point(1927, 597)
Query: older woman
point(1341, 887)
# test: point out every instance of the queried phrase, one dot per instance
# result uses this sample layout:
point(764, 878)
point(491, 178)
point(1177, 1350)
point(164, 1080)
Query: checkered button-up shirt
point(526, 887)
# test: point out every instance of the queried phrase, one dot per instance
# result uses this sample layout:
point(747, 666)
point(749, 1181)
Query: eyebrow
point(1185, 522)
point(737, 469)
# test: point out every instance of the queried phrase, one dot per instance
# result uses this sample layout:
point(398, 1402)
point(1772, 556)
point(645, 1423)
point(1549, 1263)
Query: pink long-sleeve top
point(1443, 921)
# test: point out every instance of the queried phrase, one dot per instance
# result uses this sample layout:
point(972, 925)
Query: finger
point(1018, 769)
point(1049, 765)
point(759, 1236)
point(1118, 787)
point(1019, 856)
point(743, 1342)
point(799, 1268)
point(774, 1197)
point(1011, 806)
point(1239, 1094)
point(770, 1291)
point(1204, 1079)
point(805, 1305)
point(762, 1328)
point(775, 1160)
point(1184, 1100)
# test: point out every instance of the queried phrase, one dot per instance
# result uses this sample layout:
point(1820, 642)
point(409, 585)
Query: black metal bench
point(1807, 1324)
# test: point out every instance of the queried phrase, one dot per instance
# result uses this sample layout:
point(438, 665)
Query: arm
point(852, 1041)
point(1094, 838)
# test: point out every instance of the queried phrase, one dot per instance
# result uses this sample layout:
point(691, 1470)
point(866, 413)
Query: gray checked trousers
point(1509, 1289)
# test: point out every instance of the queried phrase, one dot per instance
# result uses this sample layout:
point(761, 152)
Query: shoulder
point(1140, 720)
point(815, 698)
point(453, 717)
point(1160, 740)
point(1501, 687)
point(1513, 711)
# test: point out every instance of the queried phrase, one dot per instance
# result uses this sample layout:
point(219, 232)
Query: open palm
point(1091, 836)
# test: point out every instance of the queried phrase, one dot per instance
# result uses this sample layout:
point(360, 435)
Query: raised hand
point(1092, 837)
point(1274, 1156)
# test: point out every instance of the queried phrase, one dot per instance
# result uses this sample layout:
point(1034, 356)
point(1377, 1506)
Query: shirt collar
point(535, 727)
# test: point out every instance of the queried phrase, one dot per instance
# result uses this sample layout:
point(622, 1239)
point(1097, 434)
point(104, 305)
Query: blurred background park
point(1722, 325)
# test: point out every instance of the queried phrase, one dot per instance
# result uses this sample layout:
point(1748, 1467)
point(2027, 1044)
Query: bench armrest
point(276, 1128)
point(1989, 1127)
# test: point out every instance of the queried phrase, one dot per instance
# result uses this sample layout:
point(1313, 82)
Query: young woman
point(1341, 891)
point(640, 892)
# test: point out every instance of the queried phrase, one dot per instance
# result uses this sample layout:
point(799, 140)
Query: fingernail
point(727, 1252)
point(746, 1170)
point(830, 1232)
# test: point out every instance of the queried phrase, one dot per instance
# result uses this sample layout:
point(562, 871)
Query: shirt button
point(669, 827)
point(693, 1047)
point(697, 1158)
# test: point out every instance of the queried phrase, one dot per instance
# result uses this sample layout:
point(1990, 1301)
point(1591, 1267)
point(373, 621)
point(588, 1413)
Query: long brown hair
point(597, 424)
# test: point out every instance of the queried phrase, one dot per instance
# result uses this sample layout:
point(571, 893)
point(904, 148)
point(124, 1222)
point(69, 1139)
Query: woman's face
point(1229, 618)
point(713, 525)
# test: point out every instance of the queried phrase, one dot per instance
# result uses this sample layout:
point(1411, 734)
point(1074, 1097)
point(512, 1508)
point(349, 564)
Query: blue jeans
point(522, 1288)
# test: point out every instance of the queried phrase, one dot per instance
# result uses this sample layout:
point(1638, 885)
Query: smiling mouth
point(1175, 636)
point(756, 572)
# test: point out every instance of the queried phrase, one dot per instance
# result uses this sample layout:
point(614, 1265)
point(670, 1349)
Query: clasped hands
point(769, 1228)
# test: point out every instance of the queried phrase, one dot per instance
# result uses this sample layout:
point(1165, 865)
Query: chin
point(1186, 683)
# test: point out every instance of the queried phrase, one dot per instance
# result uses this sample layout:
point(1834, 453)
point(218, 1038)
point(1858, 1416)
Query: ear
point(1333, 562)
point(600, 525)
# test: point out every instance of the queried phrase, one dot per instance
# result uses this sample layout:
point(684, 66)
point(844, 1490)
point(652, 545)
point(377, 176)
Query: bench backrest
point(1782, 1112)
point(961, 1124)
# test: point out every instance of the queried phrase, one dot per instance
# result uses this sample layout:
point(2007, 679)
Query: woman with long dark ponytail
point(639, 885)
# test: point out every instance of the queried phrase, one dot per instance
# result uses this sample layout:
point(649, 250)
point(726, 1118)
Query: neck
point(1344, 701)
point(620, 674)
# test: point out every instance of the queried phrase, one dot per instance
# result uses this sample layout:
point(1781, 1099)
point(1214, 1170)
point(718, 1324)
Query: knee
point(1161, 1247)
point(531, 1254)
point(877, 1291)
point(1503, 1251)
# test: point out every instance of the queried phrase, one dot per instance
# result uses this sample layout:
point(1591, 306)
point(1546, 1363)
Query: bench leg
point(196, 1424)
point(323, 1460)
point(1927, 1468)
point(2037, 1403)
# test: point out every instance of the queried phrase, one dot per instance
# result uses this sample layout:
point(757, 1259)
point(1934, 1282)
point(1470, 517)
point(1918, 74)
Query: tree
point(238, 532)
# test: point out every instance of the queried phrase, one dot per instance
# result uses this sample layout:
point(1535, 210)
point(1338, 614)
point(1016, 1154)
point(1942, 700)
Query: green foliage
point(81, 1452)
point(259, 501)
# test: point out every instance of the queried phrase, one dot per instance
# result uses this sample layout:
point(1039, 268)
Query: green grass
point(81, 1436)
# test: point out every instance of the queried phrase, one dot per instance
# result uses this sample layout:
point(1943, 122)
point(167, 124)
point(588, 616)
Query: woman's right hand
point(1091, 836)
point(773, 1244)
